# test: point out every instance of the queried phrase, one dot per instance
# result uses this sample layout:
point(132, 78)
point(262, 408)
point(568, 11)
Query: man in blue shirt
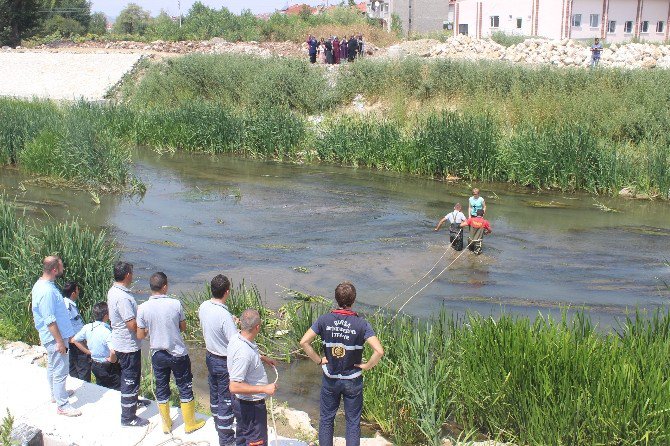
point(312, 44)
point(344, 334)
point(52, 322)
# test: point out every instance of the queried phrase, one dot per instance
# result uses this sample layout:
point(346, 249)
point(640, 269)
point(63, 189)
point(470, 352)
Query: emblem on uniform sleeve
point(338, 351)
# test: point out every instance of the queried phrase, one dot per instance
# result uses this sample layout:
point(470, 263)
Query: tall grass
point(205, 127)
point(541, 382)
point(71, 143)
point(234, 81)
point(87, 256)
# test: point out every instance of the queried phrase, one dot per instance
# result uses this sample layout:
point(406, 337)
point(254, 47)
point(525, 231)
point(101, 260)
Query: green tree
point(98, 24)
point(65, 26)
point(18, 19)
point(77, 10)
point(132, 20)
point(164, 28)
point(305, 13)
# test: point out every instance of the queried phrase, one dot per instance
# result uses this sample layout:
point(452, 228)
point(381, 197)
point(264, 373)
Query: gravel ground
point(62, 76)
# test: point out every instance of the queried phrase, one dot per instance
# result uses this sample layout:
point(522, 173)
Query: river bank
point(572, 130)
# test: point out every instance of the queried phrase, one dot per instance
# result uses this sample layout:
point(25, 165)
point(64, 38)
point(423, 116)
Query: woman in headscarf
point(336, 51)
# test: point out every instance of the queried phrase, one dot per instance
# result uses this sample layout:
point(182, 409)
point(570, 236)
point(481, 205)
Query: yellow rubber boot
point(164, 410)
point(191, 424)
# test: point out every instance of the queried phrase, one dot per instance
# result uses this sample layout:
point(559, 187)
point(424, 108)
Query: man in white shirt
point(455, 219)
point(218, 328)
point(249, 382)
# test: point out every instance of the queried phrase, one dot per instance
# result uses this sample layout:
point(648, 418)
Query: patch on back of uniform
point(338, 351)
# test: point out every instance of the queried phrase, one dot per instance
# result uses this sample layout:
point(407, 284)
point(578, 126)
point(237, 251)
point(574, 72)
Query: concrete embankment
point(26, 395)
point(62, 76)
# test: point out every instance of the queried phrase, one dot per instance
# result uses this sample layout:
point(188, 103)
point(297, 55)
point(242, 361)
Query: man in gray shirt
point(122, 314)
point(162, 319)
point(218, 327)
point(249, 382)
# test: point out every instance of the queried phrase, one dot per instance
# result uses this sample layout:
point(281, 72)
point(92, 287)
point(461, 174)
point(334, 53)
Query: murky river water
point(310, 227)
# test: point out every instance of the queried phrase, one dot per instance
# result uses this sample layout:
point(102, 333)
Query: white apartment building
point(613, 20)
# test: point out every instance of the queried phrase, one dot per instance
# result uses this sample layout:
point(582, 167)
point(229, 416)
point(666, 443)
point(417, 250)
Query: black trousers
point(252, 422)
point(131, 373)
point(107, 374)
point(220, 398)
point(80, 364)
point(312, 58)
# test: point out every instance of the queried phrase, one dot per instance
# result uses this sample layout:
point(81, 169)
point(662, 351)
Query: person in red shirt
point(479, 227)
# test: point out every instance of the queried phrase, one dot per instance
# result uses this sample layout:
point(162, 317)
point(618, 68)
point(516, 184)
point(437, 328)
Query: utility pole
point(179, 8)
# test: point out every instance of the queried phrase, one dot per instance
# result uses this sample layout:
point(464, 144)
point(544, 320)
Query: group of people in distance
point(333, 50)
point(110, 346)
point(479, 227)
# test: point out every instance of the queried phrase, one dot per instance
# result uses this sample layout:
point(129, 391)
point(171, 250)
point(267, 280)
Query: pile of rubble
point(563, 53)
point(213, 46)
point(35, 354)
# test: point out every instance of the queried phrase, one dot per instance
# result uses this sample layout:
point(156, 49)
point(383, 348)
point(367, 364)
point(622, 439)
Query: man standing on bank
point(52, 322)
point(122, 316)
point(218, 328)
point(476, 203)
point(249, 382)
point(343, 333)
point(162, 319)
point(80, 362)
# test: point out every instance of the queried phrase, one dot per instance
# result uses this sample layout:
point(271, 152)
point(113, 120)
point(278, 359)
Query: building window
point(495, 21)
point(577, 20)
point(519, 22)
point(594, 20)
point(660, 27)
point(628, 27)
point(611, 26)
point(645, 26)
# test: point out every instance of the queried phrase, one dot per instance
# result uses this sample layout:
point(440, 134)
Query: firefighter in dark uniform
point(343, 333)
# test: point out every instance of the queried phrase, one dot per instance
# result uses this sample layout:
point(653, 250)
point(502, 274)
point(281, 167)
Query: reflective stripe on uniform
point(346, 347)
point(352, 376)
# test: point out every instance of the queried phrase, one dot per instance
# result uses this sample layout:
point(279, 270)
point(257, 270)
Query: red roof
point(362, 7)
point(296, 9)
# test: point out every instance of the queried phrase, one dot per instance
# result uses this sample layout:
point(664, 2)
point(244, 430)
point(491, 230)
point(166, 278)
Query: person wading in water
point(476, 203)
point(455, 219)
point(478, 229)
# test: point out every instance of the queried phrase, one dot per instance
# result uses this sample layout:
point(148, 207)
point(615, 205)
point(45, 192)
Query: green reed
point(87, 257)
point(528, 382)
point(70, 142)
point(206, 127)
